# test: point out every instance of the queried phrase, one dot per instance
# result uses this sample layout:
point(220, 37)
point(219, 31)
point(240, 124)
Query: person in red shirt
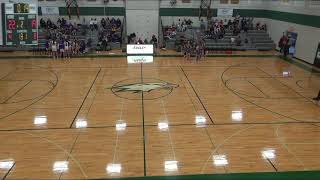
point(283, 40)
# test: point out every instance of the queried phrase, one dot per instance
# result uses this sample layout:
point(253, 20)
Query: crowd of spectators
point(216, 29)
point(132, 39)
point(110, 31)
point(61, 38)
point(61, 28)
point(61, 32)
point(170, 32)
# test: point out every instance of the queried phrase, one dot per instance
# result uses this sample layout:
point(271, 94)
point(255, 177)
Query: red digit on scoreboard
point(35, 36)
point(34, 24)
point(10, 36)
point(12, 24)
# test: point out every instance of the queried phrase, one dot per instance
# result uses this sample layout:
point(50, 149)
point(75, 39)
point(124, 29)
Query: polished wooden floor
point(71, 120)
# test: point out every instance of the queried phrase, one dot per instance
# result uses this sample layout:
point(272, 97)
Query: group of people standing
point(284, 44)
point(194, 47)
point(64, 48)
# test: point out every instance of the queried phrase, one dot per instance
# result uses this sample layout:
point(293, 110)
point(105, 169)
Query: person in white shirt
point(95, 24)
point(67, 49)
point(54, 49)
point(91, 23)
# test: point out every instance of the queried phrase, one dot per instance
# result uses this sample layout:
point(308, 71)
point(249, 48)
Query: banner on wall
point(139, 49)
point(292, 41)
point(50, 10)
point(223, 12)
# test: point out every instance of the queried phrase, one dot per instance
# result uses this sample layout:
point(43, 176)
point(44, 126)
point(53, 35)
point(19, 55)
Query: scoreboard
point(20, 24)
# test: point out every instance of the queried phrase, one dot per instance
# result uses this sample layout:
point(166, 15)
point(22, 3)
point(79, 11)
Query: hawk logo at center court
point(144, 87)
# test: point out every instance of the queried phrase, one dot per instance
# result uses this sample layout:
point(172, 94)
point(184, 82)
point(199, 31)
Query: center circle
point(146, 88)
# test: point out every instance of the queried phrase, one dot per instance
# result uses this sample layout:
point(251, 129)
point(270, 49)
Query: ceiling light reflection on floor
point(81, 124)
point(170, 166)
point(113, 168)
point(237, 115)
point(121, 126)
point(6, 164)
point(269, 154)
point(201, 121)
point(61, 166)
point(220, 160)
point(163, 126)
point(40, 120)
point(286, 73)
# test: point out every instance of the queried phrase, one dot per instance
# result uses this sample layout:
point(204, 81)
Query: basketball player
point(47, 46)
point(198, 52)
point(77, 47)
point(61, 48)
point(184, 49)
point(54, 48)
point(203, 49)
point(73, 47)
point(317, 98)
point(50, 48)
point(67, 49)
point(188, 50)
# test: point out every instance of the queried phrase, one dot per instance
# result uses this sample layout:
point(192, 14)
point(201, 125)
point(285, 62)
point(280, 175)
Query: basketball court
point(107, 118)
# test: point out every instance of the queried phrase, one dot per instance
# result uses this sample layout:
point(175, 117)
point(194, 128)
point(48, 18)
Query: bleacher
point(261, 40)
point(257, 40)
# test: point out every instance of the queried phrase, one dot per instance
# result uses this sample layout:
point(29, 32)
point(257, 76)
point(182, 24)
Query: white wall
point(83, 3)
point(142, 18)
point(307, 42)
point(1, 34)
point(244, 4)
point(294, 6)
point(308, 37)
point(142, 4)
point(18, 1)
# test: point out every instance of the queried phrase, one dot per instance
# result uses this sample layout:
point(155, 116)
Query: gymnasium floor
point(88, 118)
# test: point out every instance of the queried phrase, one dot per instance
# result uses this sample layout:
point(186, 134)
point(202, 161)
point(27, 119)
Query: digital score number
point(21, 24)
point(21, 8)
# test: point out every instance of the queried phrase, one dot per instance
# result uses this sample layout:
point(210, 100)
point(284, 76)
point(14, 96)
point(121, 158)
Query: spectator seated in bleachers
point(63, 30)
point(217, 28)
point(154, 41)
point(238, 41)
point(261, 27)
point(139, 41)
point(170, 32)
point(110, 30)
point(145, 41)
point(93, 24)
